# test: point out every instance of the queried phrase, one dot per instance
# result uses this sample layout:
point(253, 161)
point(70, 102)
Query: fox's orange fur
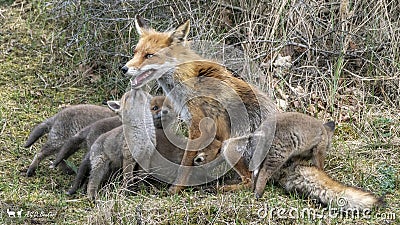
point(214, 86)
point(149, 43)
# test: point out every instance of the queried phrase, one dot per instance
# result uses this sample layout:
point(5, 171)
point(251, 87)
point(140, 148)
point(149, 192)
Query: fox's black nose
point(124, 69)
point(165, 112)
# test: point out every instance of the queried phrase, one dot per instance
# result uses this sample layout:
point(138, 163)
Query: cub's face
point(160, 107)
point(162, 111)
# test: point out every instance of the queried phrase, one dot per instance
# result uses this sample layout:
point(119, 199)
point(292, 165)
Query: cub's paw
point(174, 189)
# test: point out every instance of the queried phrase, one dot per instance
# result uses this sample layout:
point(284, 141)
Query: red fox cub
point(163, 162)
point(109, 153)
point(298, 138)
point(62, 126)
point(199, 89)
point(112, 146)
point(87, 135)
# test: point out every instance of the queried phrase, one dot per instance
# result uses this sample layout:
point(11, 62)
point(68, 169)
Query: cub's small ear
point(140, 25)
point(114, 106)
point(179, 35)
point(330, 126)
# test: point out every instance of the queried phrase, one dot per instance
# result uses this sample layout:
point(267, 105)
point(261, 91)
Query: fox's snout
point(159, 114)
point(129, 71)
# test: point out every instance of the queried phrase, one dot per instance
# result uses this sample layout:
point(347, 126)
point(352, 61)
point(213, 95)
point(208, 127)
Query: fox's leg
point(319, 154)
point(245, 175)
point(99, 173)
point(202, 130)
point(183, 172)
point(81, 177)
point(128, 166)
point(188, 157)
point(84, 186)
point(48, 149)
point(232, 149)
point(273, 162)
point(65, 168)
point(69, 148)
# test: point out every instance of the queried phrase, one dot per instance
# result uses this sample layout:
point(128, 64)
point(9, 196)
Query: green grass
point(35, 84)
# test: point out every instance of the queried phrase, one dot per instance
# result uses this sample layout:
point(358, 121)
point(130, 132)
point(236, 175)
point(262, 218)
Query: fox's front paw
point(30, 172)
point(174, 189)
point(70, 192)
point(258, 195)
point(235, 187)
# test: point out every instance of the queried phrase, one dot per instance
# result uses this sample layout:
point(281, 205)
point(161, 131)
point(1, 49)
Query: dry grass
point(344, 65)
point(335, 47)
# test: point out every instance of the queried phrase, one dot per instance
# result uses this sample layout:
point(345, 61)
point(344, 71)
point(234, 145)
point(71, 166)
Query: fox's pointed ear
point(140, 25)
point(114, 106)
point(180, 34)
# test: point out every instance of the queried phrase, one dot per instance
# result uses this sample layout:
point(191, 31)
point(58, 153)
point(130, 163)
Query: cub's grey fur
point(164, 164)
point(107, 155)
point(109, 152)
point(297, 137)
point(60, 127)
point(139, 126)
point(165, 161)
point(89, 134)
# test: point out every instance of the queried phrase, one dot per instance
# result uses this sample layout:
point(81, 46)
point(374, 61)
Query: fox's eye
point(148, 56)
point(155, 108)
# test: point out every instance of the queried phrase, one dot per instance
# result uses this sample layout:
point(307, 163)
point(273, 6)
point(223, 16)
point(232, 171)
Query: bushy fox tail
point(316, 184)
point(71, 146)
point(39, 131)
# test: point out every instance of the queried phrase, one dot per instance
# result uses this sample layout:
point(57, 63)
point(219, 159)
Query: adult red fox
point(199, 89)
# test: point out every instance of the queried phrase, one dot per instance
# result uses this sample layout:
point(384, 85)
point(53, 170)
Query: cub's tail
point(39, 131)
point(316, 184)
